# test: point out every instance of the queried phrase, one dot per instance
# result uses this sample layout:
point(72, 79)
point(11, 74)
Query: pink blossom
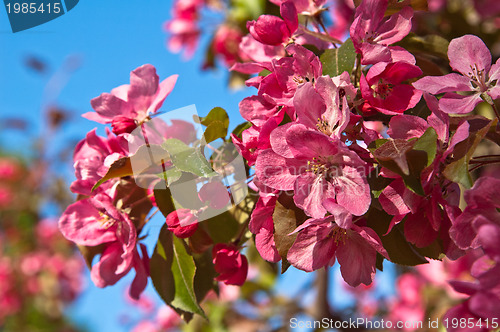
point(487, 8)
point(323, 105)
point(342, 14)
point(214, 194)
point(481, 209)
point(258, 53)
point(320, 241)
point(9, 169)
point(135, 102)
point(182, 222)
point(6, 197)
point(261, 224)
point(92, 158)
point(146, 326)
point(167, 318)
point(371, 33)
point(472, 59)
point(278, 88)
point(384, 89)
point(95, 221)
point(230, 264)
point(410, 306)
point(317, 168)
point(183, 28)
point(305, 7)
point(254, 140)
point(272, 30)
point(226, 43)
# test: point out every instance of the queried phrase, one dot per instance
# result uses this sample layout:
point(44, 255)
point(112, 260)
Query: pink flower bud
point(182, 223)
point(122, 125)
point(231, 265)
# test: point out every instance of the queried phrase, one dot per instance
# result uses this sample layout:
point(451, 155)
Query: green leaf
point(287, 217)
point(121, 167)
point(428, 143)
point(163, 199)
point(161, 271)
point(240, 128)
point(215, 130)
point(171, 175)
point(173, 272)
point(146, 157)
point(223, 227)
point(337, 60)
point(183, 269)
point(429, 44)
point(458, 170)
point(216, 114)
point(395, 150)
point(399, 156)
point(399, 250)
point(187, 159)
point(204, 279)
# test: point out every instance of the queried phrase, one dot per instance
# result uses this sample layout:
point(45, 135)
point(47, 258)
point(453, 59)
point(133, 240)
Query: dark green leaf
point(429, 44)
point(399, 250)
point(163, 199)
point(120, 168)
point(161, 271)
point(204, 279)
point(223, 227)
point(187, 159)
point(337, 60)
point(395, 150)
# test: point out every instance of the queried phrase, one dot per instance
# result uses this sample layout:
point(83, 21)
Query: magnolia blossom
point(478, 79)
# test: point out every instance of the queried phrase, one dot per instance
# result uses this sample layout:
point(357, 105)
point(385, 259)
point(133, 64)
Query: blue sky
point(109, 39)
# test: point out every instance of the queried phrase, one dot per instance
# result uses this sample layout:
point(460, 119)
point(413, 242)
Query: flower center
point(324, 127)
point(339, 235)
point(106, 221)
point(382, 89)
point(301, 80)
point(321, 167)
point(478, 78)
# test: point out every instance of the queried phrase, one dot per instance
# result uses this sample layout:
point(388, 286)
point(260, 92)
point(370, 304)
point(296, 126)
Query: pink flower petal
point(467, 52)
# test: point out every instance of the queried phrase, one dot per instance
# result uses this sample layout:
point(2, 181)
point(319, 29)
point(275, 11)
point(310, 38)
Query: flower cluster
point(354, 150)
point(39, 271)
point(113, 206)
point(346, 147)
